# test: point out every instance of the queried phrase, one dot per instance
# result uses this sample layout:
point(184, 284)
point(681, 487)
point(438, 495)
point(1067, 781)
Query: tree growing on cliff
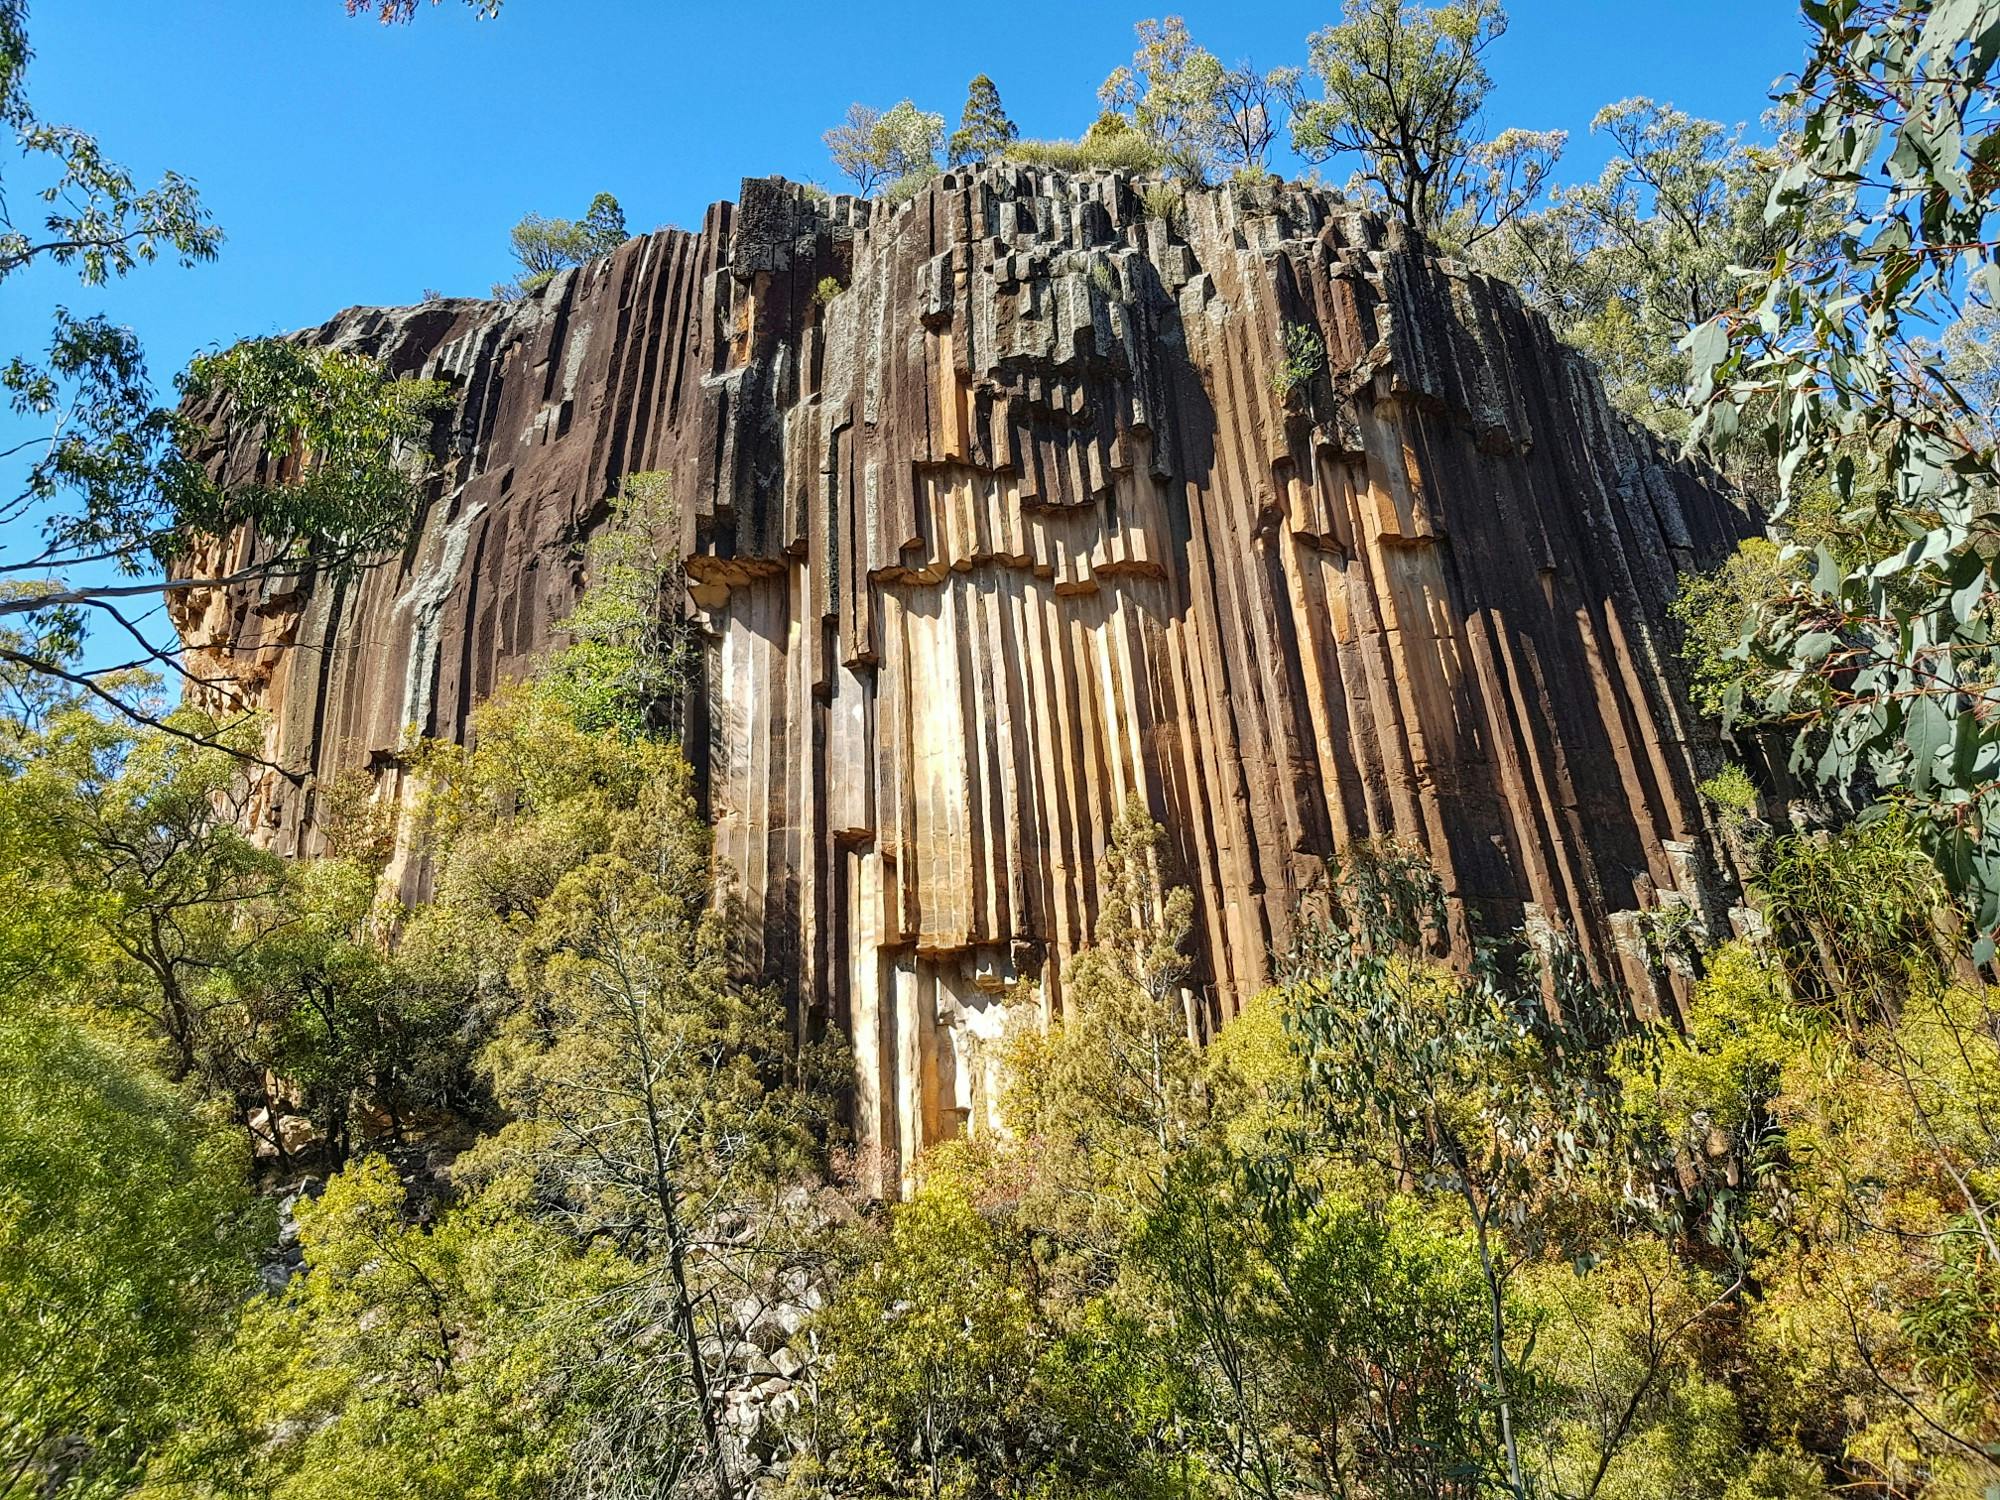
point(984, 129)
point(1199, 114)
point(851, 144)
point(1403, 89)
point(544, 247)
point(878, 149)
point(632, 655)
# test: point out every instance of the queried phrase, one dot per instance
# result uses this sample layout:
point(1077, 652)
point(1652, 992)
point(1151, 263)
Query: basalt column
point(994, 516)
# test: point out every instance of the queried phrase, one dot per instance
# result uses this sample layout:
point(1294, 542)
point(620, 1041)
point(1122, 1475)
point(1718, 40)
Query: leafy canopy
point(1881, 659)
point(1404, 85)
point(878, 149)
point(544, 247)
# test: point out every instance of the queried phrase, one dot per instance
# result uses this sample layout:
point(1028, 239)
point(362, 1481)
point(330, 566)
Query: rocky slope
point(994, 515)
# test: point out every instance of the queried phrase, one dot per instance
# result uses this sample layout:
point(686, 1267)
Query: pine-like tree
point(984, 130)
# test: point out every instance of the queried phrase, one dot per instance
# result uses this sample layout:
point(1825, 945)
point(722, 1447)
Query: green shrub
point(1245, 183)
point(1110, 152)
point(1852, 913)
point(1717, 610)
point(1164, 200)
point(1305, 357)
point(829, 287)
point(1732, 790)
point(631, 654)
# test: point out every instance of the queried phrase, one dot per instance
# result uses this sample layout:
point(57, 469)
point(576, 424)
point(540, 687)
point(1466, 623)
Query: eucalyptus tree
point(114, 489)
point(1403, 87)
point(1625, 265)
point(877, 148)
point(1489, 1090)
point(542, 246)
point(1884, 661)
point(1200, 114)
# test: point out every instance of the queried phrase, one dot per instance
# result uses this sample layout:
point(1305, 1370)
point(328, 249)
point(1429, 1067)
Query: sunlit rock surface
point(994, 514)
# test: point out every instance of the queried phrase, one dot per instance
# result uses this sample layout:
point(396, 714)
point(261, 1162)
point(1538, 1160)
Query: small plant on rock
point(1164, 200)
point(1732, 790)
point(1305, 357)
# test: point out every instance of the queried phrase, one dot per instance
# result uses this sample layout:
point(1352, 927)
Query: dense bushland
point(1404, 1228)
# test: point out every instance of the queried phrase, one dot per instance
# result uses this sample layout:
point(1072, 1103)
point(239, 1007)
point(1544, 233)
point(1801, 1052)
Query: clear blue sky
point(352, 163)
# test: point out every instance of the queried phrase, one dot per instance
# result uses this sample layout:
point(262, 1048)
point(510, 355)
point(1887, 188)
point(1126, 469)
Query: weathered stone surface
point(1015, 524)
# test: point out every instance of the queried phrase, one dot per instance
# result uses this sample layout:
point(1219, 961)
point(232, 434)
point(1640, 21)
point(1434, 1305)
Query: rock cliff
point(995, 513)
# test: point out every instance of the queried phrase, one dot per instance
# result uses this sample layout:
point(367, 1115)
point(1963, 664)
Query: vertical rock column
point(995, 516)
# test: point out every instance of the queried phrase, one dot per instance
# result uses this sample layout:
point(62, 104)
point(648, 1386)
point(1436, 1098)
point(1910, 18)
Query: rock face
point(995, 515)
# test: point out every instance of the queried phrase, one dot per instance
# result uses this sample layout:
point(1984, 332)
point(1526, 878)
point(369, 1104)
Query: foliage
point(1840, 1119)
point(1970, 354)
point(1852, 907)
point(401, 12)
point(1330, 1341)
point(902, 189)
point(314, 1001)
point(1404, 86)
point(1884, 661)
point(96, 217)
point(545, 247)
point(632, 654)
point(339, 435)
point(934, 1344)
point(1626, 265)
point(948, 1375)
point(1716, 610)
point(984, 130)
point(1164, 201)
point(241, 968)
point(139, 829)
point(877, 148)
point(1732, 790)
point(1110, 145)
point(1198, 114)
point(347, 434)
point(119, 479)
point(406, 1358)
point(1304, 359)
point(537, 1328)
point(1114, 1086)
point(1486, 1091)
point(1634, 1401)
point(649, 1097)
point(122, 1236)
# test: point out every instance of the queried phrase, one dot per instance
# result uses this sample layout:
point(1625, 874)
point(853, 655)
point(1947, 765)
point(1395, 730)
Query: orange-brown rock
point(996, 513)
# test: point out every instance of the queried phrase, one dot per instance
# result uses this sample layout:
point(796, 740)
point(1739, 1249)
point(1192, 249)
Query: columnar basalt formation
point(995, 515)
